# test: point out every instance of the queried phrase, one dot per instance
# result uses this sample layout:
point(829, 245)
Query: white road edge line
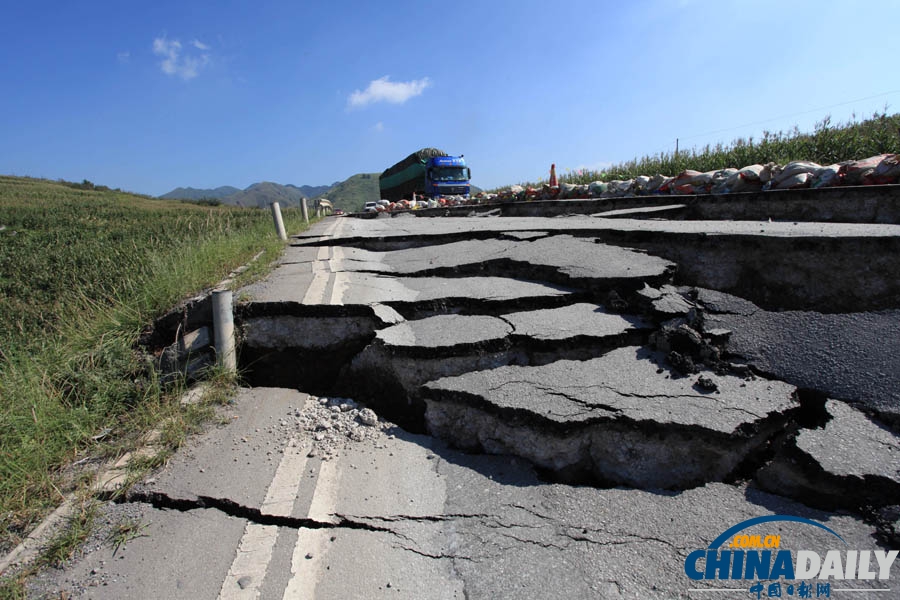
point(315, 293)
point(341, 283)
point(305, 572)
point(258, 542)
point(323, 267)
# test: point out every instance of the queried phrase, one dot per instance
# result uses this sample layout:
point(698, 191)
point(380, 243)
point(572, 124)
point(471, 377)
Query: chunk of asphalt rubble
point(686, 348)
point(665, 301)
point(368, 417)
point(683, 364)
point(707, 384)
point(718, 335)
point(244, 581)
point(615, 302)
point(685, 339)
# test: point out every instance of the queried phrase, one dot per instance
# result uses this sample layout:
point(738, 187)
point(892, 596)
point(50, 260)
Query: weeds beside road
point(81, 273)
point(829, 143)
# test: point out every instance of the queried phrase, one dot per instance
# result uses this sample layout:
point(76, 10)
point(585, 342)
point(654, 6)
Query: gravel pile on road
point(332, 424)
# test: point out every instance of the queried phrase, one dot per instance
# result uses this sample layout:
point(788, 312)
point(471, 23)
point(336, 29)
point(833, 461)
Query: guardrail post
point(305, 210)
point(223, 328)
point(279, 222)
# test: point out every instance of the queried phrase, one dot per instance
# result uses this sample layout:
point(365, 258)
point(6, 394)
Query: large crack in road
point(568, 390)
point(163, 501)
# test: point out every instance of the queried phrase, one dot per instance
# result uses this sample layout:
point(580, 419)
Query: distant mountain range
point(265, 193)
point(189, 193)
point(349, 195)
point(259, 194)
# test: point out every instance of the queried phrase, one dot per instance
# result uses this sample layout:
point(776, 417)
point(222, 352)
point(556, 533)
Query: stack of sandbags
point(875, 170)
point(796, 174)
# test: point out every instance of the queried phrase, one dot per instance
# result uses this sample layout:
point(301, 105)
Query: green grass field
point(82, 271)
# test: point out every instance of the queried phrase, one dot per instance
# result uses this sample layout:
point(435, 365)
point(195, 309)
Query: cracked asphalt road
point(300, 497)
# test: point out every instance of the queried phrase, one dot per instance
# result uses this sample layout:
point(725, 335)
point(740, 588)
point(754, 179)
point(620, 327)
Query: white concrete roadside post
point(305, 210)
point(279, 223)
point(223, 328)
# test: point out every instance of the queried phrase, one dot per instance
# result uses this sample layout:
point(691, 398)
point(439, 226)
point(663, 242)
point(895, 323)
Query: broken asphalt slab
point(622, 417)
point(367, 288)
point(665, 302)
point(581, 320)
point(558, 324)
point(854, 357)
point(849, 462)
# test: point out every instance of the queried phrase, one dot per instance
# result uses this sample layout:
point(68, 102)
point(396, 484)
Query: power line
point(769, 120)
point(805, 112)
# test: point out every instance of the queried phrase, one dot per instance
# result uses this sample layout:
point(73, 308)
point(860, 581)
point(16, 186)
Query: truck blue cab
point(428, 173)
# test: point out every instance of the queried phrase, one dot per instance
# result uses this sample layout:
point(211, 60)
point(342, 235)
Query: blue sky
point(149, 96)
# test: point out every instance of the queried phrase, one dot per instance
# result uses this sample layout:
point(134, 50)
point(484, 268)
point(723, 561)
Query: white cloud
point(378, 127)
point(186, 66)
point(199, 45)
point(123, 57)
point(383, 90)
point(169, 50)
